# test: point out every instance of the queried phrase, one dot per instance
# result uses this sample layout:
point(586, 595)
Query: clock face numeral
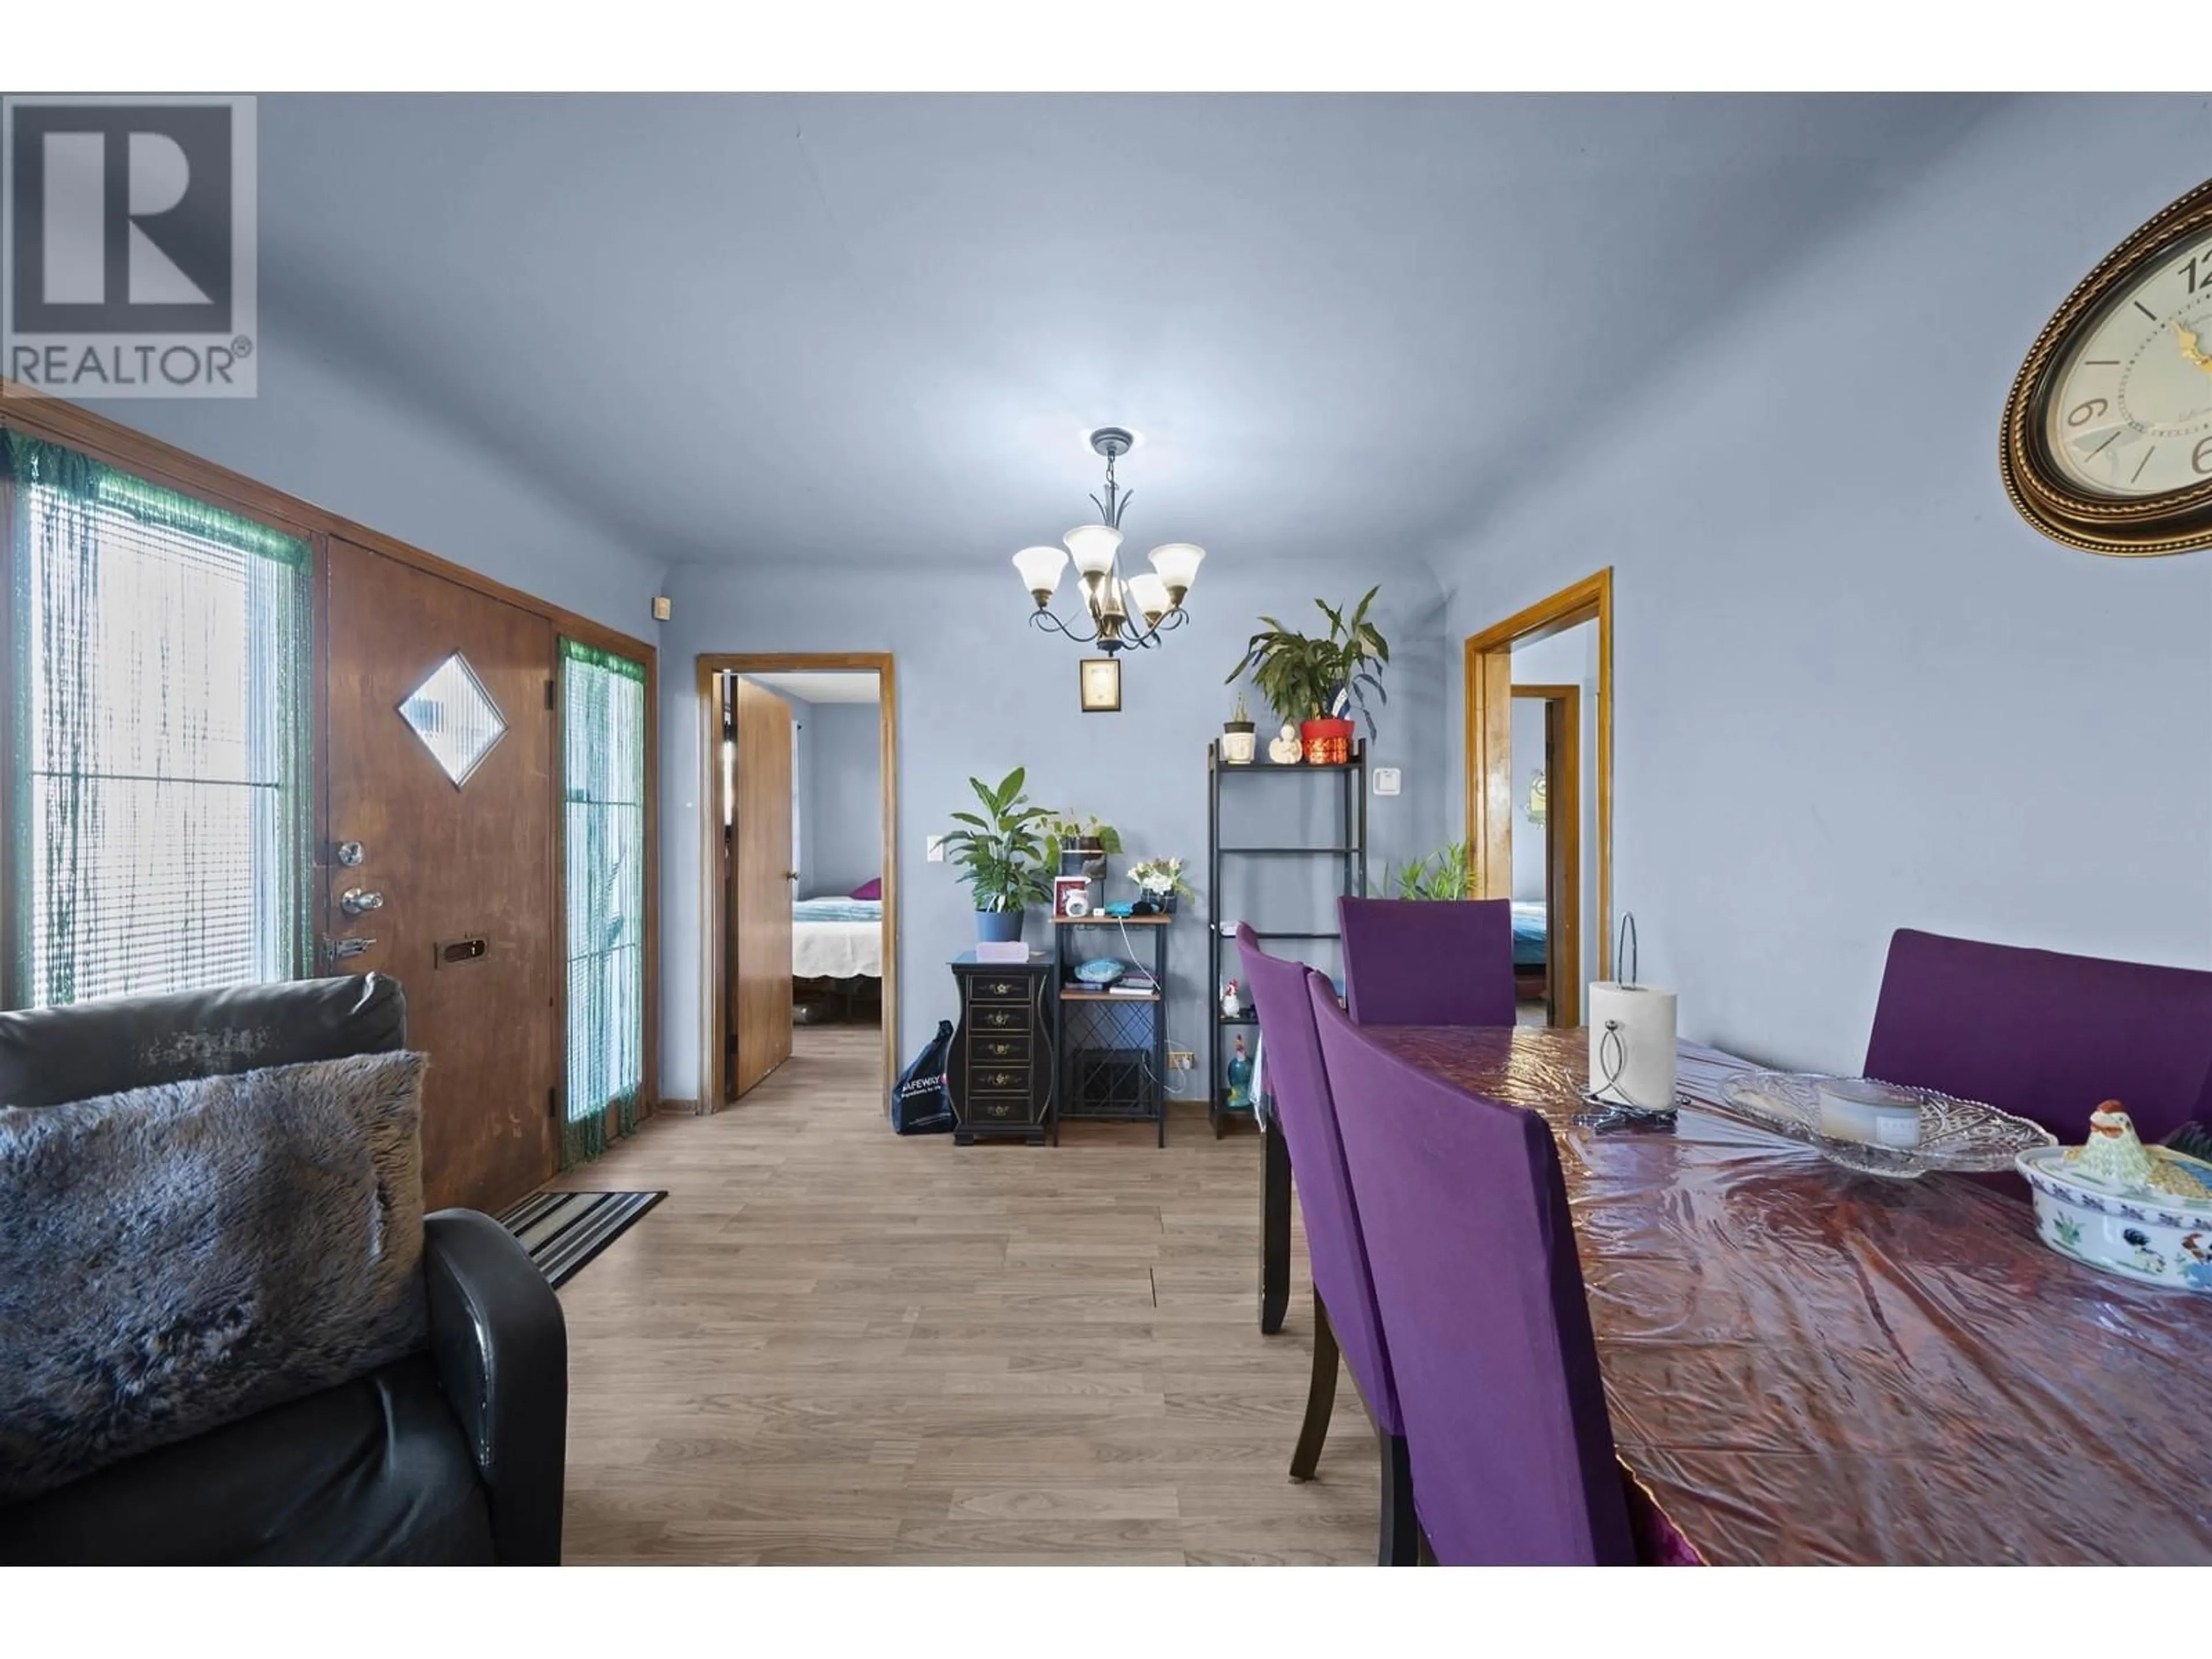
point(2130, 397)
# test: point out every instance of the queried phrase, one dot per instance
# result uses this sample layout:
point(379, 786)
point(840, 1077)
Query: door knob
point(791, 875)
point(356, 902)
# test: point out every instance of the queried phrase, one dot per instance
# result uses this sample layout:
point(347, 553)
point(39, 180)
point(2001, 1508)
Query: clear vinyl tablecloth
point(1805, 1366)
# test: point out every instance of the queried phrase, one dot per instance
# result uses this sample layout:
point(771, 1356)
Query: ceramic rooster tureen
point(2141, 1212)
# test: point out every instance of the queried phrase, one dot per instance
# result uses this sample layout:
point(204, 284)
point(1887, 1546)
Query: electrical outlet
point(1386, 780)
point(1182, 1060)
point(935, 853)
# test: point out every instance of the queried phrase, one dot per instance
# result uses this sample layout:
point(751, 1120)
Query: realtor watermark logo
point(127, 246)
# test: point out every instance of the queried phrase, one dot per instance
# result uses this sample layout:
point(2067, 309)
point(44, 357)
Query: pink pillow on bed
point(868, 890)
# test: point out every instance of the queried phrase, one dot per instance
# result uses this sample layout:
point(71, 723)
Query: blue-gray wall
point(331, 437)
point(844, 798)
point(979, 693)
point(1528, 739)
point(1856, 692)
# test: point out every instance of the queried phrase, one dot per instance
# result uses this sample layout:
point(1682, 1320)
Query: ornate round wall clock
point(2107, 440)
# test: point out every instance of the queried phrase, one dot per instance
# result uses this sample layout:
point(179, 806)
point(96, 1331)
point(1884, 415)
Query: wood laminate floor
point(831, 1345)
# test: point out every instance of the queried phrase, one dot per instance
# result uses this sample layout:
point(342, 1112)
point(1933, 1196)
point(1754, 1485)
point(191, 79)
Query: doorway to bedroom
point(1538, 733)
point(799, 821)
point(1549, 788)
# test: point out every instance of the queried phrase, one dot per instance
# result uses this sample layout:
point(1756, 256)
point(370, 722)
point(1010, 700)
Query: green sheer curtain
point(158, 737)
point(603, 786)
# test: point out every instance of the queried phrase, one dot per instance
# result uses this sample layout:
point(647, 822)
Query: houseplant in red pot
point(1000, 856)
point(1319, 681)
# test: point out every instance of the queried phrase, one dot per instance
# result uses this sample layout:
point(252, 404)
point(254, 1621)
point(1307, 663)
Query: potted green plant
point(1319, 680)
point(1000, 857)
point(1238, 743)
point(1077, 846)
point(1446, 874)
point(1160, 881)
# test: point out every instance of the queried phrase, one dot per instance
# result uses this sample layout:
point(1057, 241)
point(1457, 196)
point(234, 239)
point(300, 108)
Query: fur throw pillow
point(176, 1257)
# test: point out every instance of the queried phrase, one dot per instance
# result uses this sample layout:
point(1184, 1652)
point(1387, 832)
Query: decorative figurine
point(1232, 1001)
point(1240, 1078)
point(2115, 1155)
point(1287, 751)
point(2144, 1212)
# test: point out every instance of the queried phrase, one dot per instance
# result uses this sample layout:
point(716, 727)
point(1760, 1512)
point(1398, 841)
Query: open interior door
point(760, 887)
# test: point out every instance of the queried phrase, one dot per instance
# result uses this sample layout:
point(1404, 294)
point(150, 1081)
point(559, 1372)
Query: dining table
point(1804, 1365)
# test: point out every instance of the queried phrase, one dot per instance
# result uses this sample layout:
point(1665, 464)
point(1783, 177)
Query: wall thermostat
point(1386, 780)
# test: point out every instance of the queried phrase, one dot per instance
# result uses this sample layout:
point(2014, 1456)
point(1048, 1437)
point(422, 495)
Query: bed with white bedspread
point(837, 939)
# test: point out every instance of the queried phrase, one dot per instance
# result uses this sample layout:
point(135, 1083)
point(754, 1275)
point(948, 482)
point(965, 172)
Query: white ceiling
point(821, 685)
point(875, 329)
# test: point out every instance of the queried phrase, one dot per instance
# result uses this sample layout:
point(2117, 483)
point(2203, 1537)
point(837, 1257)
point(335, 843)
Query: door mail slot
point(452, 950)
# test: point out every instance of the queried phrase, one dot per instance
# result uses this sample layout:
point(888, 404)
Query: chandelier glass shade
point(1120, 613)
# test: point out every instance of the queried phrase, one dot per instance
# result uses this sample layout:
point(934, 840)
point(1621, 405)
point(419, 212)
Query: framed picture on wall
point(1102, 685)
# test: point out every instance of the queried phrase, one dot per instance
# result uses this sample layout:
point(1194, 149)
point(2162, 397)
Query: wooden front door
point(430, 681)
point(761, 887)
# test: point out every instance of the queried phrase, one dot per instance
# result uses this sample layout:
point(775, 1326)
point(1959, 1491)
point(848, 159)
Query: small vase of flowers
point(1159, 883)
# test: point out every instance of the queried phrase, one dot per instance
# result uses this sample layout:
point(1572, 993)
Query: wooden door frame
point(713, 1006)
point(1488, 673)
point(1563, 842)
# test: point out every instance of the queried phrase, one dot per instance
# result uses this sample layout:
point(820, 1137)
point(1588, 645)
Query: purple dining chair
point(2043, 1034)
point(1344, 1294)
point(1465, 1216)
point(1413, 961)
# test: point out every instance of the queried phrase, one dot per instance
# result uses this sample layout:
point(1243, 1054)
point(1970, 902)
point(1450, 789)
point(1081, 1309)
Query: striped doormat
point(562, 1231)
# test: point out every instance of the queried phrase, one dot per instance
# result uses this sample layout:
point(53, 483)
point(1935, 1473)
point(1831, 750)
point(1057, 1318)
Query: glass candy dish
point(1955, 1135)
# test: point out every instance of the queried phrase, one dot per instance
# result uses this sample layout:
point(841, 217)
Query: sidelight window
point(603, 732)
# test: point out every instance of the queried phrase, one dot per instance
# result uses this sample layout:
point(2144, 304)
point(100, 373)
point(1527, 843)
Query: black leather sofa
point(451, 1455)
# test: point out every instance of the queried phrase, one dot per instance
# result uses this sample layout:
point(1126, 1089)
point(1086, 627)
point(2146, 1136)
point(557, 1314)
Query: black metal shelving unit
point(1113, 1049)
point(1350, 849)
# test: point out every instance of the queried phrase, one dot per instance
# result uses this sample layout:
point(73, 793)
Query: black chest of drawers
point(1002, 1066)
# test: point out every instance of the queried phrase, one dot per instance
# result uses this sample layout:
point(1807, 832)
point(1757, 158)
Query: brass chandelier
point(1124, 613)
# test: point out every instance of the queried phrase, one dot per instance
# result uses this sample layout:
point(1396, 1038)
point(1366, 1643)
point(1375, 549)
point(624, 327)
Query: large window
point(158, 737)
point(603, 839)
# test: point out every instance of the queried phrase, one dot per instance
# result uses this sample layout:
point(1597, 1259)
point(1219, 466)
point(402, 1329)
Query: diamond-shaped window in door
point(455, 717)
